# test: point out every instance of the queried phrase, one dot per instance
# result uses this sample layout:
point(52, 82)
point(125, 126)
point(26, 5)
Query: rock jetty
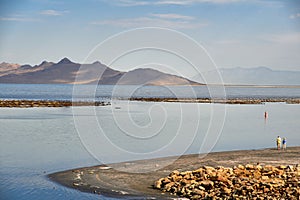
point(240, 182)
point(47, 103)
point(222, 101)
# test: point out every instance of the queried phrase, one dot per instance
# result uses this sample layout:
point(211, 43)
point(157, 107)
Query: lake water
point(86, 92)
point(37, 141)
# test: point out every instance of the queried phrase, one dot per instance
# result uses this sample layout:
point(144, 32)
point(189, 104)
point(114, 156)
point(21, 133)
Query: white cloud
point(167, 20)
point(228, 42)
point(18, 19)
point(168, 2)
point(172, 16)
point(129, 2)
point(268, 3)
point(53, 12)
point(148, 21)
point(190, 2)
point(295, 16)
point(288, 38)
point(172, 2)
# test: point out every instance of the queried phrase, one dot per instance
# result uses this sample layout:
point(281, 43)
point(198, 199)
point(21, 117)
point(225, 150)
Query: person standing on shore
point(284, 143)
point(278, 141)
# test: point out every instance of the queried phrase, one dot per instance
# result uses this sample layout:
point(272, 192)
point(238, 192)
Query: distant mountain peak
point(65, 61)
point(6, 64)
point(44, 62)
point(26, 66)
point(259, 75)
point(139, 69)
point(264, 68)
point(97, 63)
point(65, 71)
point(145, 70)
point(247, 68)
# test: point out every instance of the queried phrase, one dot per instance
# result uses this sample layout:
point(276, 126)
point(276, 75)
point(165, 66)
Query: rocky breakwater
point(240, 182)
point(221, 101)
point(47, 103)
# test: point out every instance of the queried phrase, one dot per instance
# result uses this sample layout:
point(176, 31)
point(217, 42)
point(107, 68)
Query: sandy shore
point(115, 180)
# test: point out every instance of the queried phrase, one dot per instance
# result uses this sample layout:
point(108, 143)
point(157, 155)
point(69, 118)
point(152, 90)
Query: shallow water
point(38, 141)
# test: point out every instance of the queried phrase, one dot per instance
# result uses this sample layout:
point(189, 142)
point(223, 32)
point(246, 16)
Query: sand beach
point(127, 180)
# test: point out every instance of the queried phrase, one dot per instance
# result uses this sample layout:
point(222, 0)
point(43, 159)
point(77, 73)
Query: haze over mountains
point(67, 72)
point(252, 76)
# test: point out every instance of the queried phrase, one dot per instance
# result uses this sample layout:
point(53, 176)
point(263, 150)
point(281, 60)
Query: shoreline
point(68, 103)
point(115, 180)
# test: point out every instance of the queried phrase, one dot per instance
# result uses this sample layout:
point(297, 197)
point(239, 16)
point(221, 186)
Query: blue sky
point(234, 32)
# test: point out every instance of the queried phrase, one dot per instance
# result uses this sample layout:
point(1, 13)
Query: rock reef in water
point(46, 103)
point(240, 182)
point(58, 103)
point(222, 101)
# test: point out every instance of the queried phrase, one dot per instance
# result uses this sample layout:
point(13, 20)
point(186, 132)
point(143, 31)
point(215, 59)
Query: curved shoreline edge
point(68, 103)
point(115, 180)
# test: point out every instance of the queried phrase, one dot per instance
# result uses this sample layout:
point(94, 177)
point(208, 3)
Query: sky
point(235, 33)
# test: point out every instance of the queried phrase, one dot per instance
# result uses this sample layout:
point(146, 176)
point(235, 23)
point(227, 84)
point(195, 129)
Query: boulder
point(240, 182)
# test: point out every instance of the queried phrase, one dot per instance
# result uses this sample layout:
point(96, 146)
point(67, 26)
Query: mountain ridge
point(67, 72)
point(250, 76)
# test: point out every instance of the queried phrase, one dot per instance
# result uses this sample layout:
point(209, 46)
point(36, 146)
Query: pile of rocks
point(239, 182)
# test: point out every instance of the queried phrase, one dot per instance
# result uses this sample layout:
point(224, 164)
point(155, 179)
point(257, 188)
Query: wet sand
point(117, 180)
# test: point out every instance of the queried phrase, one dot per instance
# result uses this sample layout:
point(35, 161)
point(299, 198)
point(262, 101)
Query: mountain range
point(68, 72)
point(250, 76)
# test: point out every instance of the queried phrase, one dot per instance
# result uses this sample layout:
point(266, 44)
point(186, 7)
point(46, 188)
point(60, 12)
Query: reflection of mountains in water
point(66, 72)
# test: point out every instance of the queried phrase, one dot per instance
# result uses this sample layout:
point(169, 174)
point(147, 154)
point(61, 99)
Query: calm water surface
point(37, 141)
point(104, 92)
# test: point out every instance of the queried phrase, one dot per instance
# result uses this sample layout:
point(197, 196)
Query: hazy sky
point(235, 32)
